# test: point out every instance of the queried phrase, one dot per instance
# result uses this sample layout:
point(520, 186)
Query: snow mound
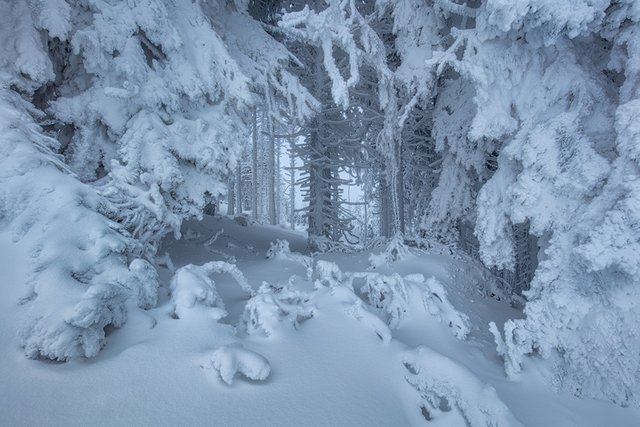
point(444, 385)
point(387, 293)
point(275, 309)
point(359, 312)
point(437, 305)
point(229, 360)
point(328, 274)
point(191, 286)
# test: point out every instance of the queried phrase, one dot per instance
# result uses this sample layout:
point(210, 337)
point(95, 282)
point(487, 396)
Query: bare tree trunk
point(271, 174)
point(231, 199)
point(396, 188)
point(239, 194)
point(277, 181)
point(292, 186)
point(254, 168)
point(366, 213)
point(383, 194)
point(400, 191)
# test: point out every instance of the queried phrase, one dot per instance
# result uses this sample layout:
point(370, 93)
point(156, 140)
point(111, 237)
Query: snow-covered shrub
point(191, 286)
point(444, 385)
point(327, 273)
point(271, 310)
point(435, 301)
point(362, 314)
point(280, 250)
point(396, 250)
point(390, 295)
point(323, 244)
point(231, 360)
point(387, 293)
point(242, 220)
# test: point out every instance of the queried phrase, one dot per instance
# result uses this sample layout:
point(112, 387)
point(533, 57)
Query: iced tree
point(558, 127)
point(532, 110)
point(332, 150)
point(122, 119)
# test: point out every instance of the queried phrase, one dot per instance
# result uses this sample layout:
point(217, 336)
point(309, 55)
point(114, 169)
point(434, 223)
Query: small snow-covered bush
point(362, 314)
point(396, 250)
point(322, 244)
point(436, 303)
point(387, 293)
point(280, 250)
point(274, 309)
point(231, 360)
point(191, 286)
point(444, 385)
point(242, 220)
point(328, 274)
point(390, 294)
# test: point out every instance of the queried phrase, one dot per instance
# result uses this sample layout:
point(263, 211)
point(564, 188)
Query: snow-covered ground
point(326, 343)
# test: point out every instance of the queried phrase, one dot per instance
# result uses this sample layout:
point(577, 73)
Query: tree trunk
point(271, 173)
point(239, 194)
point(277, 181)
point(254, 168)
point(385, 229)
point(292, 186)
point(231, 199)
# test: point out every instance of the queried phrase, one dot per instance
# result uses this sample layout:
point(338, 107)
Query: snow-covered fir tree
point(532, 116)
point(139, 108)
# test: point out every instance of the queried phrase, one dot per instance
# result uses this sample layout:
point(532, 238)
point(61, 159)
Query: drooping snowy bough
point(192, 286)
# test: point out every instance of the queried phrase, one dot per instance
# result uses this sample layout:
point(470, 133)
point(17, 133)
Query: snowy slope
point(330, 357)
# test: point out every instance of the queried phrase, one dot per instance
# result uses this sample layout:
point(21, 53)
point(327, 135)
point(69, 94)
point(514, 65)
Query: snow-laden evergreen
point(120, 120)
point(532, 111)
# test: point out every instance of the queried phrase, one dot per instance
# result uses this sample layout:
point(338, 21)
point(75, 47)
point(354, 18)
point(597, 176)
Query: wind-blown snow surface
point(364, 347)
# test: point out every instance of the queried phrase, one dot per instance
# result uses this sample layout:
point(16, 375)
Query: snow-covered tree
point(332, 148)
point(534, 111)
point(541, 145)
point(136, 111)
point(363, 46)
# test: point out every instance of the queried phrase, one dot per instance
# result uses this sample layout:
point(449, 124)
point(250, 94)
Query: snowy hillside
point(353, 346)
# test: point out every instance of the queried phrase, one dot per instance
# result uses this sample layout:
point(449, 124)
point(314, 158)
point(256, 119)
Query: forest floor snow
point(322, 342)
